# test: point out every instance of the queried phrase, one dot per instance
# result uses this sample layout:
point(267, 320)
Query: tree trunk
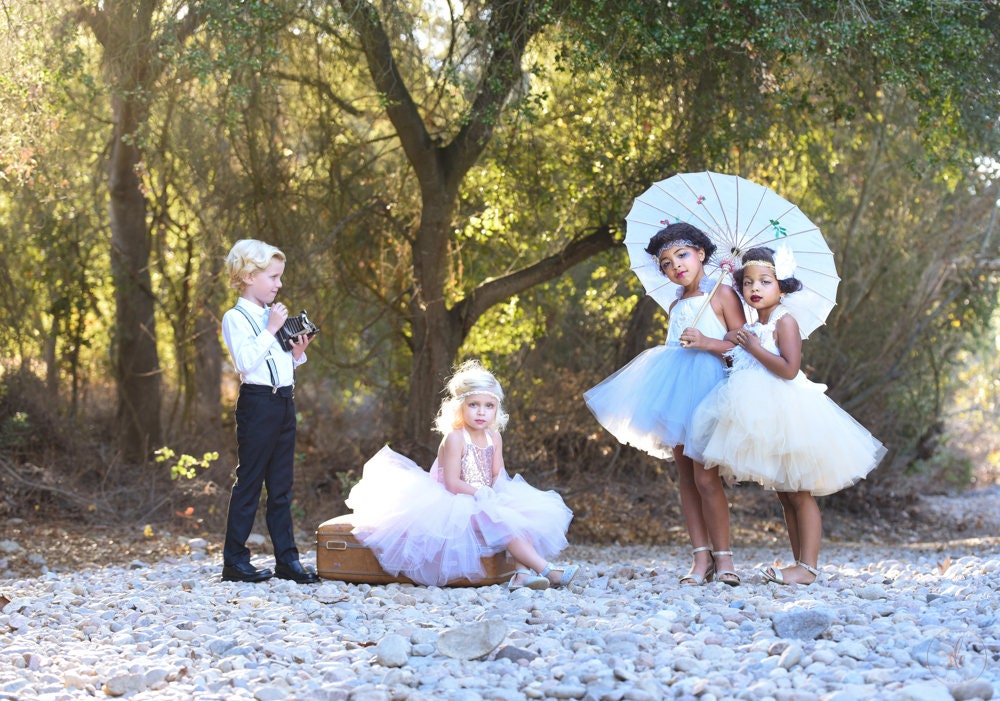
point(136, 361)
point(438, 332)
point(124, 28)
point(435, 344)
point(435, 330)
point(207, 367)
point(51, 361)
point(640, 325)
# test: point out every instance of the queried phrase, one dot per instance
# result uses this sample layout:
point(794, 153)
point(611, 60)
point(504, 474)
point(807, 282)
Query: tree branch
point(512, 25)
point(96, 20)
point(399, 104)
point(321, 86)
point(497, 290)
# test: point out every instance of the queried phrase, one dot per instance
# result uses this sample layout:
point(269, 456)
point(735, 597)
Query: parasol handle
point(708, 299)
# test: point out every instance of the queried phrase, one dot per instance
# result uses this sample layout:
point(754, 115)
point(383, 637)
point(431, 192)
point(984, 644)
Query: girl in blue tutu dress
point(649, 403)
point(769, 424)
point(434, 528)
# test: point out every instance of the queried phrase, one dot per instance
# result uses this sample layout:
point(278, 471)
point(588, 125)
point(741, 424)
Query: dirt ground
point(55, 545)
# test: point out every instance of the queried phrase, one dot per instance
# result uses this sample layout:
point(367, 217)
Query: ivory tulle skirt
point(786, 435)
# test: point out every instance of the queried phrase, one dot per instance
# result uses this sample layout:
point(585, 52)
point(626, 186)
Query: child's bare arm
point(498, 466)
point(786, 364)
point(725, 304)
point(450, 460)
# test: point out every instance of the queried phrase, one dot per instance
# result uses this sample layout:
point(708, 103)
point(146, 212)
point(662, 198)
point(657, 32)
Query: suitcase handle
point(336, 545)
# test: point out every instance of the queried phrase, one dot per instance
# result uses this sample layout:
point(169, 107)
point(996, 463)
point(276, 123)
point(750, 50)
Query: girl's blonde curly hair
point(469, 378)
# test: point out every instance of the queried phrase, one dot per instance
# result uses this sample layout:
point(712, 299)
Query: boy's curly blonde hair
point(249, 256)
point(469, 378)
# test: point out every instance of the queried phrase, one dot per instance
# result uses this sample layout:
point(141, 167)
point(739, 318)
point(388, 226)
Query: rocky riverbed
point(916, 621)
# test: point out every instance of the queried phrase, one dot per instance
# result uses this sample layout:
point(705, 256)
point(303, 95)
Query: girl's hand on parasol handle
point(691, 337)
point(726, 267)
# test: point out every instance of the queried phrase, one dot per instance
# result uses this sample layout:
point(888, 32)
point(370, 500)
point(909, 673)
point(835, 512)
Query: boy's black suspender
point(271, 367)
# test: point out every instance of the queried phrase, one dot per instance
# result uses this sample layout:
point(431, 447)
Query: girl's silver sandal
point(568, 573)
point(699, 579)
point(719, 574)
point(773, 574)
point(530, 581)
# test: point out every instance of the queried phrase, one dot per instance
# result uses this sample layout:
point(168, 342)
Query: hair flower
point(784, 262)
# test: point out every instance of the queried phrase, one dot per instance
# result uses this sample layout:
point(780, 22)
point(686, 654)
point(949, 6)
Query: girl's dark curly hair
point(765, 254)
point(679, 231)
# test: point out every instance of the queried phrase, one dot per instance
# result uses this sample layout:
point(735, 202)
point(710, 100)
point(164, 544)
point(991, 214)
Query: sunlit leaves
point(265, 123)
point(505, 330)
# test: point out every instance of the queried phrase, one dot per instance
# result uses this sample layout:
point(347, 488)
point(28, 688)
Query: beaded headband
point(479, 391)
point(676, 243)
point(764, 263)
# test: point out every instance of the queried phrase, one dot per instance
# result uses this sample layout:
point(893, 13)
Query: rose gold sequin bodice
point(477, 463)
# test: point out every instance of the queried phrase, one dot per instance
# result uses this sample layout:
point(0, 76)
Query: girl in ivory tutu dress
point(769, 424)
point(649, 403)
point(435, 527)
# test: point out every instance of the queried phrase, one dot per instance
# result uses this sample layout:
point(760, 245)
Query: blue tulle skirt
point(649, 403)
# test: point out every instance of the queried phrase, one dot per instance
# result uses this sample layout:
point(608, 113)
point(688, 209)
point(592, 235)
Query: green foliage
point(264, 124)
point(15, 431)
point(346, 480)
point(505, 329)
point(186, 466)
point(831, 60)
point(947, 469)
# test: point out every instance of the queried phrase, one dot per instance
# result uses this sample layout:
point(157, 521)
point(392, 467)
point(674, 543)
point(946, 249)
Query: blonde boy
point(265, 414)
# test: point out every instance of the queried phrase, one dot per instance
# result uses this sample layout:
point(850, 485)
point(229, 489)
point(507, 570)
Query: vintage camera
point(295, 326)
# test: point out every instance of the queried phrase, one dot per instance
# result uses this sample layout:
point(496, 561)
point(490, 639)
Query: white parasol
point(737, 215)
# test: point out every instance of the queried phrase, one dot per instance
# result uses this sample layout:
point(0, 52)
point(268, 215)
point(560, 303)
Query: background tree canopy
point(450, 180)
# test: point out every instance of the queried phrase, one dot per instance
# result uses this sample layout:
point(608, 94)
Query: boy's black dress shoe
point(295, 572)
point(244, 572)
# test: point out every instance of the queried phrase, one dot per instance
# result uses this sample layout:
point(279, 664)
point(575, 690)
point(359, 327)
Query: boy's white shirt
point(250, 351)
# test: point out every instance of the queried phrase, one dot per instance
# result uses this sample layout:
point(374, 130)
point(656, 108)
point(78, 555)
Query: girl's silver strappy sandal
point(530, 581)
point(698, 579)
point(733, 578)
point(773, 574)
point(568, 573)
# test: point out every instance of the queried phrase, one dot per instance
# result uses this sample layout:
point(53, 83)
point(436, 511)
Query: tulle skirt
point(786, 435)
point(419, 529)
point(649, 403)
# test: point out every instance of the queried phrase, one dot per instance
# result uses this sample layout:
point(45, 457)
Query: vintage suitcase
point(340, 556)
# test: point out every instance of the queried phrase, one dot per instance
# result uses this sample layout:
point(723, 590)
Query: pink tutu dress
point(417, 528)
point(786, 435)
point(649, 402)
